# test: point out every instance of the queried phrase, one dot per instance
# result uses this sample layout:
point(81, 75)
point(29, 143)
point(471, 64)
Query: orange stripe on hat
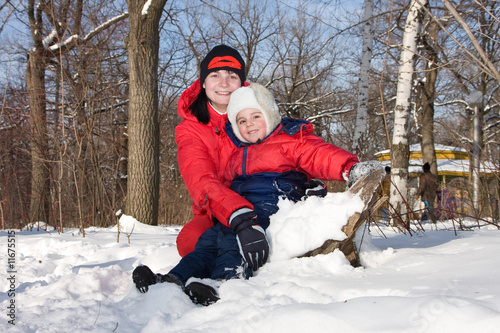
point(225, 61)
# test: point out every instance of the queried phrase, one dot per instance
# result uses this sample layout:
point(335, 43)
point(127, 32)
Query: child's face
point(251, 124)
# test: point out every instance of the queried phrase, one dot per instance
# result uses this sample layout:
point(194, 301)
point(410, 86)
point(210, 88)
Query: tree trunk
point(121, 142)
point(400, 148)
point(364, 80)
point(143, 128)
point(425, 101)
point(40, 181)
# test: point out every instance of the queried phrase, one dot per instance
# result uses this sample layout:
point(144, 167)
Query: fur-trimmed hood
point(254, 96)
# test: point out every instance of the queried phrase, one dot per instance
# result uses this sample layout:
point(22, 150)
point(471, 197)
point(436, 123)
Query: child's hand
point(251, 239)
point(361, 169)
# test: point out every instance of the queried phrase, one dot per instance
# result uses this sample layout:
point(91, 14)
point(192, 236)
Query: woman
point(199, 140)
point(209, 249)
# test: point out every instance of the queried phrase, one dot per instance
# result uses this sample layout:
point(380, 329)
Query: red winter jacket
point(292, 146)
point(201, 150)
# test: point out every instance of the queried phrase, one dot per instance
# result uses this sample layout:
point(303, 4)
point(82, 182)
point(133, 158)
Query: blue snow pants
point(216, 256)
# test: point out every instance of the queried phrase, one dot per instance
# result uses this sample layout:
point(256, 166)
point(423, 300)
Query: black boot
point(143, 277)
point(200, 293)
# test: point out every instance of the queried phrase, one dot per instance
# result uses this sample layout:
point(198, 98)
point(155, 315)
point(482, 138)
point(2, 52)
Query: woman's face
point(219, 85)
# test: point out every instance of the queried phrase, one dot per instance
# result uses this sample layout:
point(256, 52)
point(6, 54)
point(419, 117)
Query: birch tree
point(364, 79)
point(400, 151)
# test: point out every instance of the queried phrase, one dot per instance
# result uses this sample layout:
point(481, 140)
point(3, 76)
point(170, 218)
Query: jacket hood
point(253, 96)
point(217, 120)
point(187, 97)
point(287, 125)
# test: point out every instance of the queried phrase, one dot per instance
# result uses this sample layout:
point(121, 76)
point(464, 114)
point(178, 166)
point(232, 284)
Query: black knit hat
point(222, 57)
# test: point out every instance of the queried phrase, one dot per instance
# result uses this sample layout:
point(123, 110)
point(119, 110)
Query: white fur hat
point(254, 96)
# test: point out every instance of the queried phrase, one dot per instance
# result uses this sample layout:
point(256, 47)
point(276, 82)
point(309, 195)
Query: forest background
point(90, 88)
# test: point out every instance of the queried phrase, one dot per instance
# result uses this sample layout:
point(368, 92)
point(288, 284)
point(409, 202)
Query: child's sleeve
point(320, 159)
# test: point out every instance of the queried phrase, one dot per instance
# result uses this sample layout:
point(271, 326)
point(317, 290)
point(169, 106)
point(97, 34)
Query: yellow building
point(453, 171)
point(452, 162)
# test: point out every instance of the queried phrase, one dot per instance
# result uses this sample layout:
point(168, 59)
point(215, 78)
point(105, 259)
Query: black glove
point(361, 169)
point(315, 187)
point(251, 239)
point(201, 293)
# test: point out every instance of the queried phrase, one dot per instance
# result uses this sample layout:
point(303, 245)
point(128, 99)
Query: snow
point(437, 147)
point(449, 166)
point(432, 281)
point(287, 234)
point(47, 41)
point(145, 9)
point(453, 166)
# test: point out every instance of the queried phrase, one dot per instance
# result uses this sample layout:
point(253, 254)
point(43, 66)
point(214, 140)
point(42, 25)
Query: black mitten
point(251, 239)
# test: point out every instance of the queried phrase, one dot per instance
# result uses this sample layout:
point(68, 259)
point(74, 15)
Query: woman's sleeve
point(197, 164)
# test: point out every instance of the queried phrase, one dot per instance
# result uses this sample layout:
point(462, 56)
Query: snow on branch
point(306, 80)
point(329, 113)
point(105, 25)
point(4, 128)
point(49, 39)
point(489, 107)
point(490, 126)
point(456, 101)
point(146, 7)
point(74, 40)
point(110, 107)
point(491, 139)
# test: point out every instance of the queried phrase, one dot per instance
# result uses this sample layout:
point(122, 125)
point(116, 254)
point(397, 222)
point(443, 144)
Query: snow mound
point(304, 226)
point(129, 224)
point(38, 226)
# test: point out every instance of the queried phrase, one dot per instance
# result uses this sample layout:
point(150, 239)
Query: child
point(279, 155)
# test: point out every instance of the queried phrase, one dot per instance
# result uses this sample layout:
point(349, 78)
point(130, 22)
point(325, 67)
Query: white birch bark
point(364, 79)
point(400, 149)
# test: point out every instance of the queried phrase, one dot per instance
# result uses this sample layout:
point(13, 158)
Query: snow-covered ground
point(432, 281)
